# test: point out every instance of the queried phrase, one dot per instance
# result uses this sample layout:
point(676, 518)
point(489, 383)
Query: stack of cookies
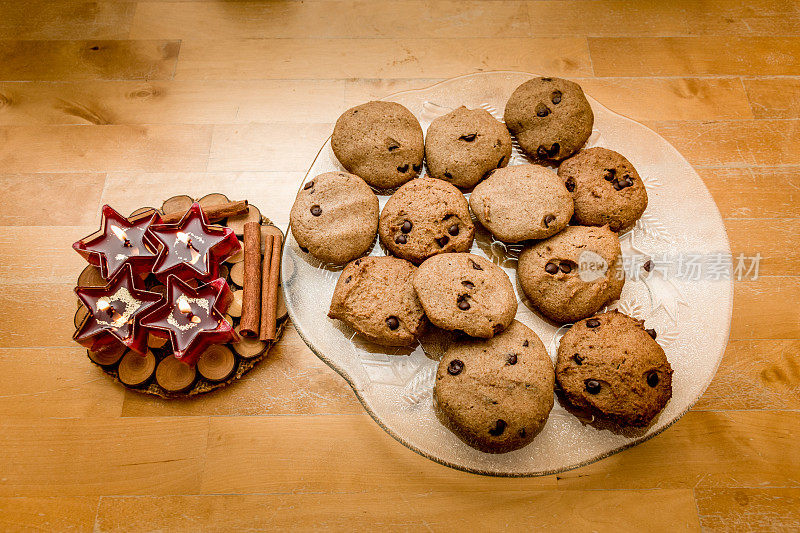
point(494, 386)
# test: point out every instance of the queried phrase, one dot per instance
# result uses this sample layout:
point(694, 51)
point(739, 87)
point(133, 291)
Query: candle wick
point(127, 243)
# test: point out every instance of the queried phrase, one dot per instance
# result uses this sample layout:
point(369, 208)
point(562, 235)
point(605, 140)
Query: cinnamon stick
point(214, 213)
point(269, 290)
point(251, 297)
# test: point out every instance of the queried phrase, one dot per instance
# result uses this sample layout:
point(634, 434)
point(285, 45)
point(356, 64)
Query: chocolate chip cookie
point(495, 394)
point(522, 202)
point(550, 118)
point(466, 292)
point(606, 188)
point(610, 366)
point(426, 217)
point(375, 296)
point(573, 274)
point(335, 217)
point(464, 145)
point(380, 142)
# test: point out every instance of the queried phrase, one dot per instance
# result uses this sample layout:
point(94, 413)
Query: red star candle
point(192, 248)
point(114, 313)
point(119, 242)
point(193, 319)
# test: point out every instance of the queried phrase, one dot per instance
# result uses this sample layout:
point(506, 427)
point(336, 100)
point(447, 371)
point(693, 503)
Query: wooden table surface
point(128, 103)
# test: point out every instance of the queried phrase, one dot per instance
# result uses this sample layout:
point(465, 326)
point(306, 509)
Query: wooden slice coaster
point(249, 348)
point(177, 204)
point(269, 229)
point(238, 257)
point(215, 198)
point(160, 289)
point(224, 272)
point(107, 357)
point(154, 341)
point(80, 315)
point(217, 363)
point(142, 212)
point(237, 223)
point(173, 375)
point(135, 369)
point(237, 274)
point(235, 309)
point(281, 312)
point(90, 277)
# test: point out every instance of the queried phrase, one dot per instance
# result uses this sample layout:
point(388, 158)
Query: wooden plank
point(38, 199)
point(290, 380)
point(152, 148)
point(701, 56)
point(749, 509)
point(662, 510)
point(85, 457)
point(755, 192)
point(774, 97)
point(43, 254)
point(48, 514)
point(170, 102)
point(756, 374)
point(32, 60)
point(766, 308)
point(287, 19)
point(777, 241)
point(741, 17)
point(71, 19)
point(55, 382)
point(37, 315)
point(577, 17)
point(379, 58)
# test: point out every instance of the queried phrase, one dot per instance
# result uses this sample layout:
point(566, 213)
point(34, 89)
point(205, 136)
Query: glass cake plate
point(686, 297)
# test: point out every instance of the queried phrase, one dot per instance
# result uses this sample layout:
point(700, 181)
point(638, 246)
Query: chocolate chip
point(570, 184)
point(652, 379)
point(553, 151)
point(499, 428)
point(542, 110)
point(316, 210)
point(648, 266)
point(652, 333)
point(578, 359)
point(497, 328)
point(541, 152)
point(525, 343)
point(522, 433)
point(549, 219)
point(617, 185)
point(592, 386)
point(511, 359)
point(453, 230)
point(448, 175)
point(610, 174)
point(400, 239)
point(305, 250)
point(565, 268)
point(592, 323)
point(500, 163)
point(403, 168)
point(308, 185)
point(348, 279)
point(551, 268)
point(392, 322)
point(463, 304)
point(468, 284)
point(406, 227)
point(469, 138)
point(442, 241)
point(416, 168)
point(475, 265)
point(555, 97)
point(628, 181)
point(547, 79)
point(455, 367)
point(393, 147)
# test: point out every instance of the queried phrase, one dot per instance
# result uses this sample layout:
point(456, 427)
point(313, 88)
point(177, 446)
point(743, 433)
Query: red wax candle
point(114, 313)
point(193, 318)
point(192, 248)
point(120, 241)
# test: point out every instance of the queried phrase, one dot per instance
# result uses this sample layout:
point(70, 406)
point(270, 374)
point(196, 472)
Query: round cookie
point(606, 188)
point(335, 217)
point(375, 296)
point(550, 118)
point(466, 292)
point(464, 145)
point(496, 394)
point(522, 202)
point(610, 366)
point(380, 142)
point(573, 274)
point(426, 217)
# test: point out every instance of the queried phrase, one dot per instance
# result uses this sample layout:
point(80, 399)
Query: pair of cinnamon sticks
point(260, 289)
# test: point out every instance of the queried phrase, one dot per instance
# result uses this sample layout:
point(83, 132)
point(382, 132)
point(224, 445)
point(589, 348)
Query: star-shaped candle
point(120, 241)
point(114, 313)
point(193, 318)
point(192, 248)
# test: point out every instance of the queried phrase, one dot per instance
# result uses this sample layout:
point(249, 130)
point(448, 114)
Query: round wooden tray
point(158, 373)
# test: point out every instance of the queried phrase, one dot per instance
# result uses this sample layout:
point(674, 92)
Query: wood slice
point(80, 315)
point(135, 369)
point(217, 363)
point(109, 356)
point(269, 229)
point(160, 289)
point(238, 257)
point(141, 212)
point(228, 319)
point(224, 272)
point(237, 274)
point(235, 309)
point(154, 341)
point(177, 204)
point(215, 198)
point(249, 348)
point(281, 312)
point(90, 277)
point(174, 375)
point(237, 223)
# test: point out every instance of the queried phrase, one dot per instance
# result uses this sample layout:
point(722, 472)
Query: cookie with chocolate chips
point(375, 296)
point(426, 217)
point(335, 217)
point(573, 274)
point(467, 293)
point(522, 202)
point(606, 188)
point(612, 368)
point(381, 142)
point(550, 117)
point(464, 145)
point(495, 394)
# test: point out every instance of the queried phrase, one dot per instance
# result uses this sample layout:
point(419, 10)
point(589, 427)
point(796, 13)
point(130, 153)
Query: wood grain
point(749, 509)
point(774, 97)
point(775, 241)
point(37, 199)
point(48, 513)
point(37, 315)
point(766, 308)
point(67, 19)
point(767, 192)
point(19, 244)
